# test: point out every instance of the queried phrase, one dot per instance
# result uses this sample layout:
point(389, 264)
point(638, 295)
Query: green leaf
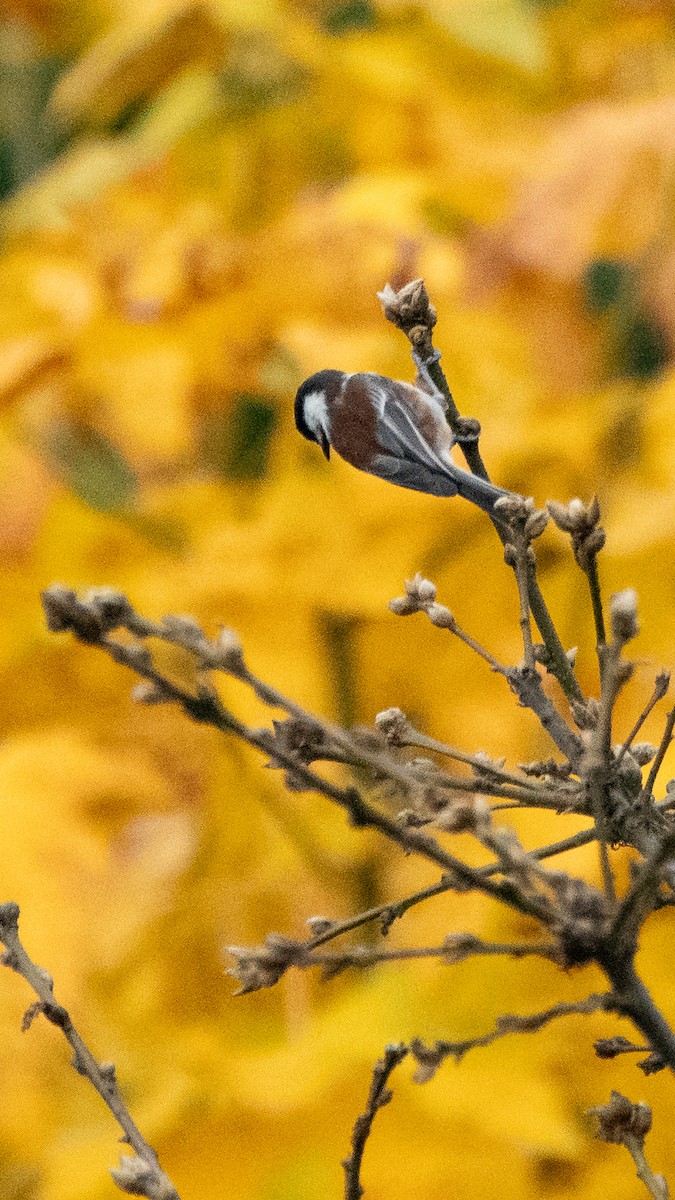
point(509, 30)
point(345, 18)
point(645, 350)
point(237, 443)
point(604, 283)
point(92, 467)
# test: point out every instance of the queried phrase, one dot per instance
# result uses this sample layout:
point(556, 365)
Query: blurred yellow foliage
point(200, 201)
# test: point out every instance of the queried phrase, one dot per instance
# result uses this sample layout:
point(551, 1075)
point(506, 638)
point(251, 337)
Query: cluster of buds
point(420, 596)
point(101, 611)
point(262, 966)
point(411, 311)
point(524, 523)
point(582, 919)
point(467, 814)
point(581, 521)
point(621, 1120)
point(97, 613)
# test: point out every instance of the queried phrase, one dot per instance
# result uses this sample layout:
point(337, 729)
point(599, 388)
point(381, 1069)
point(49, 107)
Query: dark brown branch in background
point(140, 1175)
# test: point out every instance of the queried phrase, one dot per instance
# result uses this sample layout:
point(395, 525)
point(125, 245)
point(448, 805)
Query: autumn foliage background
point(200, 202)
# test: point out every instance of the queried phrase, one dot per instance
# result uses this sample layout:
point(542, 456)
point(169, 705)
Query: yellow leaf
point(136, 58)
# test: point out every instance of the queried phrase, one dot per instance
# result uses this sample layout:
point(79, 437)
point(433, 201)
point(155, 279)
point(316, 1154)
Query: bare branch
point(378, 1096)
point(411, 311)
point(661, 685)
point(140, 1175)
point(661, 753)
point(429, 1058)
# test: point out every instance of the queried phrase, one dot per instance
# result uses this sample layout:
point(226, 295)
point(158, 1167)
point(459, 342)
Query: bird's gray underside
point(413, 475)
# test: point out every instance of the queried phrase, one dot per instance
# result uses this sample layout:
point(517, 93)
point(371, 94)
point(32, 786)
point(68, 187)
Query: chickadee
point(394, 430)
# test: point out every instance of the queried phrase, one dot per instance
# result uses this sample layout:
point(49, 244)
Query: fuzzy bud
point(536, 524)
point(441, 617)
point(135, 656)
point(135, 1177)
point(149, 694)
point(318, 925)
point(409, 306)
point(393, 723)
point(112, 607)
point(458, 946)
point(514, 507)
point(422, 590)
point(643, 753)
point(64, 611)
point(623, 615)
point(183, 630)
point(402, 606)
point(224, 653)
point(585, 713)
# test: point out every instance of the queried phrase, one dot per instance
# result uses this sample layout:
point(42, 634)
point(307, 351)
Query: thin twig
point(632, 999)
point(661, 685)
point(639, 899)
point(655, 1184)
point(378, 1096)
point(661, 753)
point(141, 1175)
point(430, 1058)
point(624, 1123)
point(596, 599)
point(518, 560)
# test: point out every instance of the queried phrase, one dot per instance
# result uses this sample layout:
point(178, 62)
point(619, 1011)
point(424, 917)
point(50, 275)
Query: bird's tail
point(478, 491)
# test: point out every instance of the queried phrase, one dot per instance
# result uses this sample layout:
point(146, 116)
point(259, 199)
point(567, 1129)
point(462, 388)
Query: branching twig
point(429, 1058)
point(420, 596)
point(263, 966)
point(92, 619)
point(661, 685)
point(140, 1175)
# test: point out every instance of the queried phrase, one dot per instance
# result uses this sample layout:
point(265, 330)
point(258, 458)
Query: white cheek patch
point(315, 412)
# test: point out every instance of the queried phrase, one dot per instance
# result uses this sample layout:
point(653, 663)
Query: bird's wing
point(397, 427)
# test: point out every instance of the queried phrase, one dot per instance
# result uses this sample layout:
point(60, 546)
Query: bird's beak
point(324, 443)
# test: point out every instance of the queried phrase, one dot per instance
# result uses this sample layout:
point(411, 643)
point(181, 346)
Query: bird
point(397, 431)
